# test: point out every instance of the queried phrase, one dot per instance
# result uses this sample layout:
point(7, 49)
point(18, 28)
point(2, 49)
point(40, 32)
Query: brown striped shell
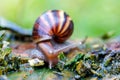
point(53, 24)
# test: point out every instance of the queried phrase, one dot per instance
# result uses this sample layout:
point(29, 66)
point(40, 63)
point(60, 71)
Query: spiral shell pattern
point(53, 25)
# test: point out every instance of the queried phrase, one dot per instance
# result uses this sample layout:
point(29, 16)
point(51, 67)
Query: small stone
point(94, 78)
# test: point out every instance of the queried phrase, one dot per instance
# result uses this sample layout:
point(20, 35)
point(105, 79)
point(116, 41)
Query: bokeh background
point(91, 17)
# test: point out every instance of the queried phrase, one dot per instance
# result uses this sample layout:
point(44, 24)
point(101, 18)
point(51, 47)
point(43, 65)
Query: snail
point(50, 30)
point(50, 33)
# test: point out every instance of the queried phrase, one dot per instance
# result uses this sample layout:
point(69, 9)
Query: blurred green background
point(91, 17)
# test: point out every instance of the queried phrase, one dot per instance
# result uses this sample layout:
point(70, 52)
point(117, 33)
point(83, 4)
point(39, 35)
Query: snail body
point(52, 28)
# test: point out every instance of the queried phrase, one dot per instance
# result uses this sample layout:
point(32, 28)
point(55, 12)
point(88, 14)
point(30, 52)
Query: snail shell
point(52, 27)
point(53, 24)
